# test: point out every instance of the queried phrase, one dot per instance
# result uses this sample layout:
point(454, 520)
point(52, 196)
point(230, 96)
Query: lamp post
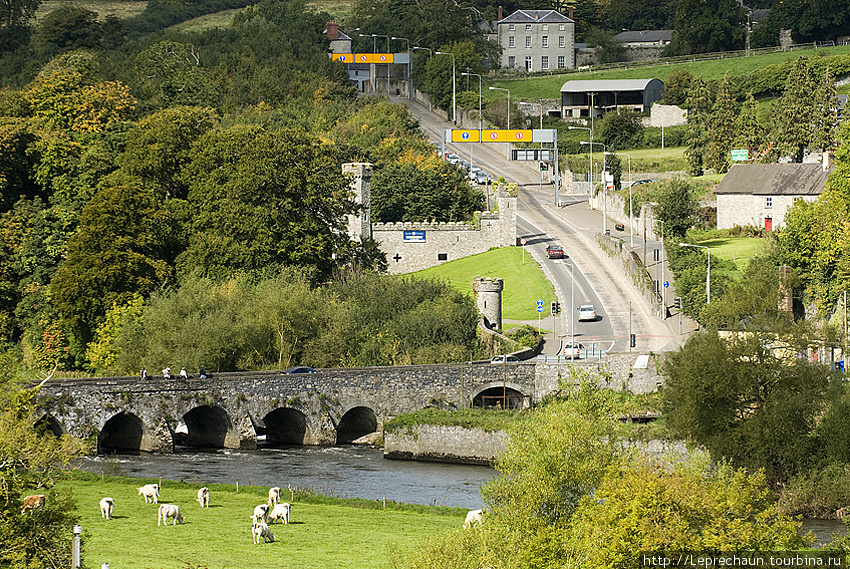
point(631, 222)
point(479, 95)
point(572, 312)
point(590, 130)
point(663, 290)
point(604, 189)
point(388, 65)
point(409, 65)
point(373, 36)
point(509, 102)
point(454, 88)
point(707, 272)
point(430, 55)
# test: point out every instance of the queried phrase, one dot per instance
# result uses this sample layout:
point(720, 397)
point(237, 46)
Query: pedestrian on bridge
point(143, 374)
point(203, 371)
point(183, 373)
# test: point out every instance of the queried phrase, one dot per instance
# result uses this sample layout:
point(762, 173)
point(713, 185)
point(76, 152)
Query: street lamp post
point(479, 95)
point(409, 65)
point(454, 88)
point(572, 312)
point(509, 102)
point(663, 289)
point(430, 55)
point(388, 65)
point(707, 272)
point(604, 189)
point(591, 148)
point(631, 222)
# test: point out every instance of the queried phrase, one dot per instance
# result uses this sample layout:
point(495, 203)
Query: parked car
point(465, 164)
point(586, 312)
point(502, 358)
point(298, 369)
point(572, 350)
point(648, 181)
point(555, 252)
point(619, 227)
point(481, 177)
point(452, 157)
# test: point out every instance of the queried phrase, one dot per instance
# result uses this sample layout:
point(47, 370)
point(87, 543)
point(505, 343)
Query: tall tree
point(15, 16)
point(825, 118)
point(677, 207)
point(750, 132)
point(708, 25)
point(699, 105)
point(721, 130)
point(792, 128)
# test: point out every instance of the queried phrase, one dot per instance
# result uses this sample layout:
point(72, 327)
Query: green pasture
point(221, 19)
point(328, 533)
point(739, 250)
point(120, 9)
point(524, 281)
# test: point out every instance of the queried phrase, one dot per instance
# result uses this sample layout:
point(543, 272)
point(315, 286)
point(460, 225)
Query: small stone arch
point(355, 423)
point(121, 433)
point(501, 395)
point(284, 426)
point(49, 424)
point(209, 427)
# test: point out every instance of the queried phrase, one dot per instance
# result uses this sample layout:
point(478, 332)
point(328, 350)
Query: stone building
point(536, 40)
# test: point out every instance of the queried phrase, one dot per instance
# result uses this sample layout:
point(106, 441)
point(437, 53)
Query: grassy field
point(739, 250)
point(207, 22)
point(336, 533)
point(524, 282)
point(104, 8)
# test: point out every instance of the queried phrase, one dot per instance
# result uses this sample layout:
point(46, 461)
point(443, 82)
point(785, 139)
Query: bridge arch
point(49, 424)
point(284, 426)
point(355, 423)
point(208, 427)
point(121, 433)
point(498, 394)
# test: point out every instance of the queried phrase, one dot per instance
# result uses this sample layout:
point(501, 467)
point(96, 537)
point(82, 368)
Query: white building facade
point(537, 40)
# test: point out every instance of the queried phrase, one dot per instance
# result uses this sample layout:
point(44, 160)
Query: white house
point(536, 40)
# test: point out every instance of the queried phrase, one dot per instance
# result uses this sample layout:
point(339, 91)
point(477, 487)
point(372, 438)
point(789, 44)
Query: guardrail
point(584, 356)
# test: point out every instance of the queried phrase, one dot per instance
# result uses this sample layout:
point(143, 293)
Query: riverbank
point(323, 532)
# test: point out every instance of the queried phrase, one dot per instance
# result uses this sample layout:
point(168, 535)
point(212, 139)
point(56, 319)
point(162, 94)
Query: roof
point(648, 36)
point(591, 85)
point(774, 180)
point(535, 16)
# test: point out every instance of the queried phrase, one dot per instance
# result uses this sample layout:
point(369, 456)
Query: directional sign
point(466, 135)
point(506, 135)
point(740, 155)
point(539, 302)
point(539, 308)
point(373, 58)
point(666, 284)
point(532, 154)
point(343, 57)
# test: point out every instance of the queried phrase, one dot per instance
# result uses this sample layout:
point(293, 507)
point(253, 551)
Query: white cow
point(106, 507)
point(261, 530)
point(474, 516)
point(204, 497)
point(280, 512)
point(260, 512)
point(274, 496)
point(169, 511)
point(150, 492)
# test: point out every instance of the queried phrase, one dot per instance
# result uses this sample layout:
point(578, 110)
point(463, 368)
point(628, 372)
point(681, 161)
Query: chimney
point(571, 12)
point(332, 30)
point(500, 14)
point(827, 161)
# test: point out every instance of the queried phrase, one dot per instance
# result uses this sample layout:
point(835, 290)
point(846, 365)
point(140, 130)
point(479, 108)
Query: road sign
point(373, 58)
point(740, 155)
point(666, 284)
point(459, 135)
point(539, 309)
point(343, 57)
point(512, 135)
point(523, 241)
point(531, 154)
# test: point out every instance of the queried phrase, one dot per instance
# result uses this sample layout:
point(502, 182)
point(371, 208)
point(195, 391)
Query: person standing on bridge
point(166, 372)
point(183, 373)
point(143, 374)
point(203, 371)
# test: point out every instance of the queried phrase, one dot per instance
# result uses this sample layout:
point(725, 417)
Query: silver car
point(586, 313)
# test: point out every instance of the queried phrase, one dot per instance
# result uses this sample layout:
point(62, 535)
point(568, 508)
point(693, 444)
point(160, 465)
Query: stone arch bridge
point(236, 410)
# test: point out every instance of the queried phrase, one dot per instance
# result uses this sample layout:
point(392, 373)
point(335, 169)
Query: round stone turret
point(489, 298)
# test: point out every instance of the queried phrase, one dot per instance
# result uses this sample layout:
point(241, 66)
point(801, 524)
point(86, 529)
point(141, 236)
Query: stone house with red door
point(760, 195)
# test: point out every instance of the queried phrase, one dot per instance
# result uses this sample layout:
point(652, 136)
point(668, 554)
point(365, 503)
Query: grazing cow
point(32, 502)
point(474, 516)
point(150, 492)
point(106, 506)
point(261, 530)
point(204, 497)
point(274, 496)
point(260, 512)
point(169, 511)
point(280, 512)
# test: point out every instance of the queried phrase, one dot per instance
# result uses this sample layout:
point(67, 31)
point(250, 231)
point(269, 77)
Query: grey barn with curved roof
point(594, 98)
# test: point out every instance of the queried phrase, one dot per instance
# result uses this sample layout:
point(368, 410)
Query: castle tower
point(489, 299)
point(360, 226)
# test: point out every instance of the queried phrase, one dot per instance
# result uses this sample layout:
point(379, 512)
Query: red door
point(768, 224)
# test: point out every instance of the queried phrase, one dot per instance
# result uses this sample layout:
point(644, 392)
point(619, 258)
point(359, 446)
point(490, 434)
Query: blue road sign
point(539, 305)
point(465, 136)
point(666, 284)
point(539, 309)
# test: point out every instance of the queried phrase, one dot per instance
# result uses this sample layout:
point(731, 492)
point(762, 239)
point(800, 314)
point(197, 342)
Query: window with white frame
point(545, 27)
point(544, 62)
point(511, 27)
point(562, 27)
point(511, 61)
point(561, 41)
point(511, 41)
point(528, 27)
point(562, 62)
point(527, 41)
point(545, 40)
point(768, 202)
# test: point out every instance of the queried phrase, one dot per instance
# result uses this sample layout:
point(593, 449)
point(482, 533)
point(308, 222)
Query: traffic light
point(632, 340)
point(677, 302)
point(556, 307)
point(544, 166)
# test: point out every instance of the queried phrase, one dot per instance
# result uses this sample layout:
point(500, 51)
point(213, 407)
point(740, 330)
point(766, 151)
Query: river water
point(350, 471)
point(342, 471)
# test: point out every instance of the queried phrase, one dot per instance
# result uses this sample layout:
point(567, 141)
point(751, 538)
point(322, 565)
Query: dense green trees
point(708, 25)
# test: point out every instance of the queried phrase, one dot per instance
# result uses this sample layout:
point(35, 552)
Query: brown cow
point(32, 502)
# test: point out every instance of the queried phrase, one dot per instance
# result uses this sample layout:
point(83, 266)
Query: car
point(452, 158)
point(481, 178)
point(555, 252)
point(502, 358)
point(619, 227)
point(298, 369)
point(465, 164)
point(586, 313)
point(639, 182)
point(572, 350)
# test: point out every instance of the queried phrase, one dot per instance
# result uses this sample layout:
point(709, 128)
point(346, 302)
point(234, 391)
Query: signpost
point(740, 155)
point(539, 310)
point(523, 242)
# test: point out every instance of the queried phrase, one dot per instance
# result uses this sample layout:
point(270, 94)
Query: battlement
point(424, 226)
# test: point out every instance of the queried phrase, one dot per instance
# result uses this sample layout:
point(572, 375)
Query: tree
point(16, 162)
point(677, 86)
point(750, 132)
point(68, 27)
point(171, 74)
point(15, 16)
point(707, 26)
point(825, 118)
point(640, 15)
point(721, 130)
point(699, 115)
point(792, 128)
point(677, 207)
point(621, 129)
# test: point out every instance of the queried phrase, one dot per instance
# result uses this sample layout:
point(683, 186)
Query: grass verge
point(486, 419)
point(323, 532)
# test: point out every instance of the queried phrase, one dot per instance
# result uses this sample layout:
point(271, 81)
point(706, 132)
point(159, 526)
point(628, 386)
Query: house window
point(528, 63)
point(544, 62)
point(527, 41)
point(561, 41)
point(511, 41)
point(545, 41)
point(442, 256)
point(562, 27)
point(768, 202)
point(511, 27)
point(511, 61)
point(561, 61)
point(528, 27)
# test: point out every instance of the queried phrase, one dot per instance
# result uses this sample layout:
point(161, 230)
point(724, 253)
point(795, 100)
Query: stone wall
point(618, 371)
point(445, 444)
point(633, 267)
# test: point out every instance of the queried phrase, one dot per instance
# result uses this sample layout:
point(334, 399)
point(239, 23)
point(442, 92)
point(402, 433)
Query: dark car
point(298, 369)
point(555, 252)
point(619, 227)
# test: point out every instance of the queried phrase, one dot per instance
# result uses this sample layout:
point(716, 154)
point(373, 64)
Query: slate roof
point(591, 85)
point(535, 17)
point(648, 36)
point(774, 180)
